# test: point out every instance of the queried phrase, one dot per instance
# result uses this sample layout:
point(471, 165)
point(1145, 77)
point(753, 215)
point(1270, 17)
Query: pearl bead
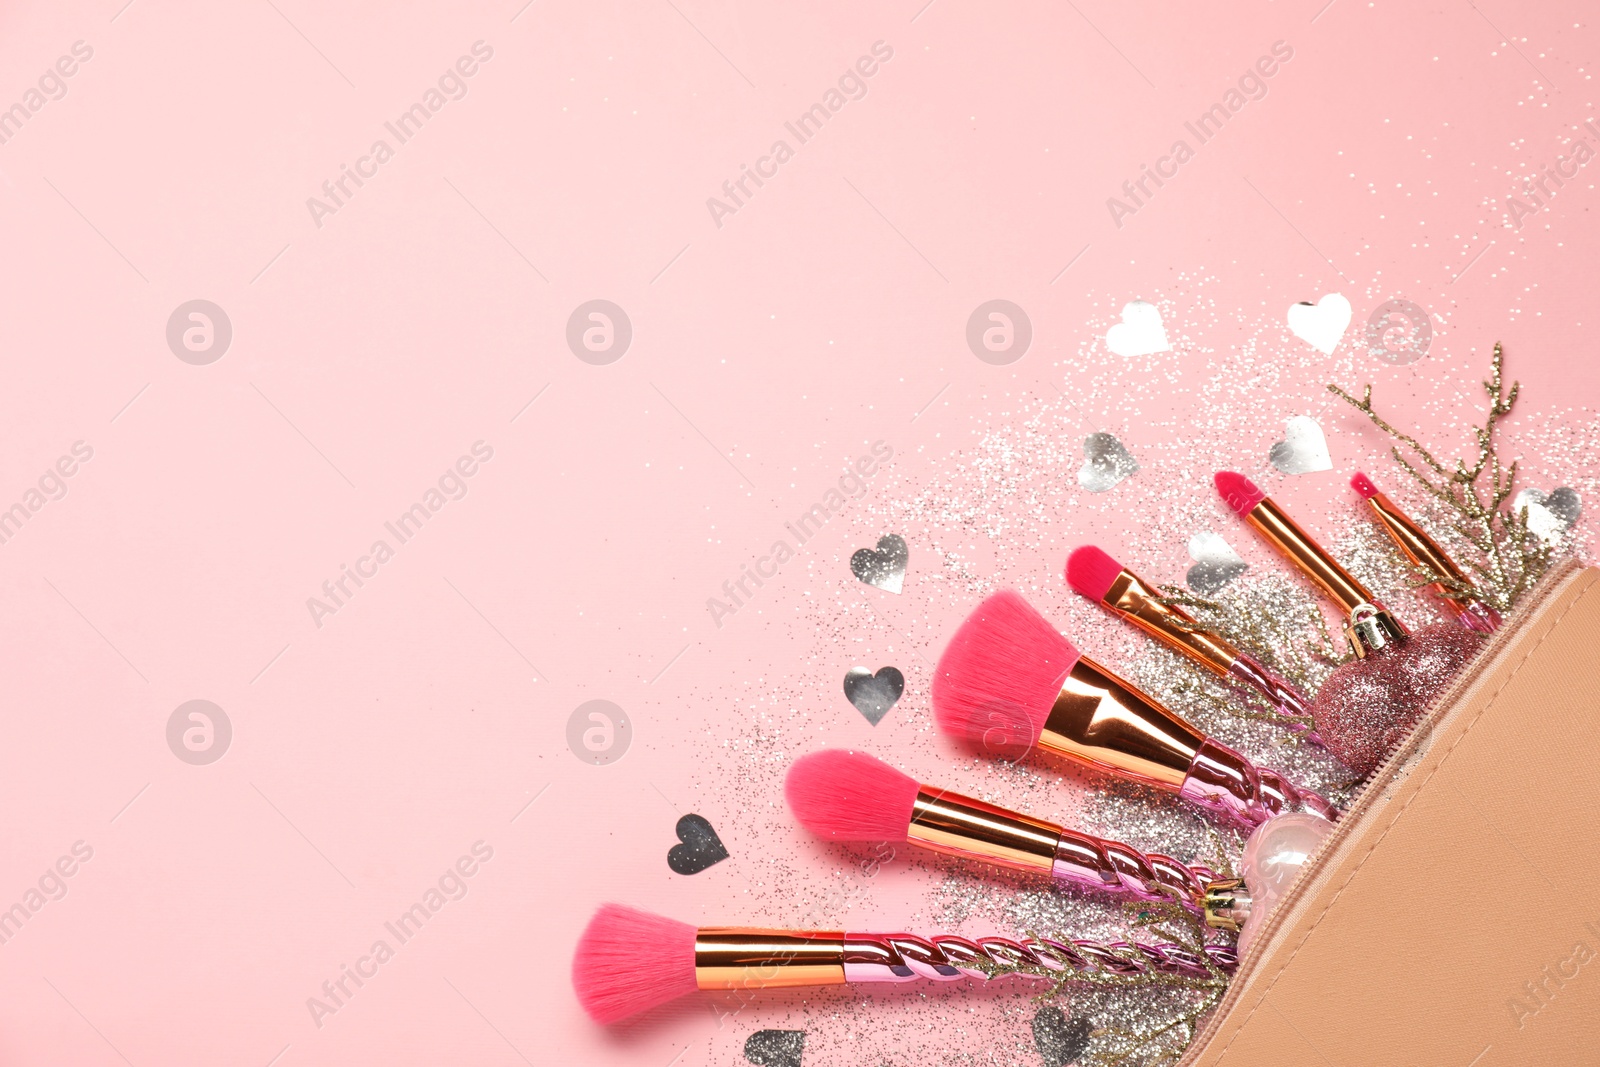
point(1273, 856)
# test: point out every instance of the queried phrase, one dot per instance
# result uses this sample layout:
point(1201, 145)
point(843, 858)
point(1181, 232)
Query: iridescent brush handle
point(1296, 708)
point(1148, 608)
point(1223, 781)
point(977, 830)
point(1096, 862)
point(946, 958)
point(1477, 616)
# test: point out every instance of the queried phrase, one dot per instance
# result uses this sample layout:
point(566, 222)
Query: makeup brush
point(1009, 681)
point(1368, 705)
point(849, 796)
point(629, 961)
point(1300, 548)
point(1426, 553)
point(1095, 575)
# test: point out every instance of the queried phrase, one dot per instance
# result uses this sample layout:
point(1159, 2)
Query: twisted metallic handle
point(1280, 796)
point(947, 958)
point(1288, 700)
point(1093, 861)
point(1223, 781)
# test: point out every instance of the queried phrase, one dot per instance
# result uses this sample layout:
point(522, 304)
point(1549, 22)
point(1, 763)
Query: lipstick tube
point(1426, 553)
point(972, 829)
point(732, 958)
point(1136, 601)
point(1105, 721)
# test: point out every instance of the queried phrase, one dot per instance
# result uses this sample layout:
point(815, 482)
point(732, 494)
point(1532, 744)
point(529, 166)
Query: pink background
point(369, 352)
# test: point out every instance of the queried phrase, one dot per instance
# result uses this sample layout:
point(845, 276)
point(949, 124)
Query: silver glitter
point(994, 501)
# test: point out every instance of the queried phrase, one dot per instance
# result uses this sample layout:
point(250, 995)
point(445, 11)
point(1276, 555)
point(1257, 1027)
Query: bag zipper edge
point(1371, 795)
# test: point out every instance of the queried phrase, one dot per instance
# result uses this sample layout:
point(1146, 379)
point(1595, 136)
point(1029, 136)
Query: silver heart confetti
point(1550, 515)
point(883, 567)
point(1216, 563)
point(874, 694)
point(1303, 449)
point(700, 846)
point(775, 1048)
point(1105, 463)
point(1322, 324)
point(1059, 1040)
point(1140, 333)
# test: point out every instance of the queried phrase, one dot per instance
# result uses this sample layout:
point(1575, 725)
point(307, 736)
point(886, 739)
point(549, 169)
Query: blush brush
point(629, 961)
point(1095, 575)
point(1010, 682)
point(850, 796)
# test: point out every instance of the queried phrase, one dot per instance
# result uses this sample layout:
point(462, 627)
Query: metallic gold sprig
point(1511, 557)
point(1166, 1041)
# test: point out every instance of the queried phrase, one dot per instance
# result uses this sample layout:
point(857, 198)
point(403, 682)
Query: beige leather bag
point(1453, 918)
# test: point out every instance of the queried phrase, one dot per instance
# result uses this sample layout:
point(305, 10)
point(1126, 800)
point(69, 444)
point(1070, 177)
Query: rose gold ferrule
point(1302, 550)
point(1102, 720)
point(961, 826)
point(1426, 553)
point(1141, 605)
point(741, 958)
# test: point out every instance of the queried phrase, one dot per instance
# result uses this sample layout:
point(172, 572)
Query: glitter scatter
point(994, 501)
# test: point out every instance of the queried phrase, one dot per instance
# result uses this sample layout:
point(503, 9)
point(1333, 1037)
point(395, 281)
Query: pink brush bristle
point(1239, 492)
point(1091, 572)
point(849, 796)
point(1363, 485)
point(1000, 674)
point(628, 961)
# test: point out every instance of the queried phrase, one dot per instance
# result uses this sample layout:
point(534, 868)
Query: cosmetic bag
point(1452, 919)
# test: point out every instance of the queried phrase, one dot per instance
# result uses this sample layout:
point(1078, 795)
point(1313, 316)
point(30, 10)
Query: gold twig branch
point(1165, 1041)
point(1510, 556)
